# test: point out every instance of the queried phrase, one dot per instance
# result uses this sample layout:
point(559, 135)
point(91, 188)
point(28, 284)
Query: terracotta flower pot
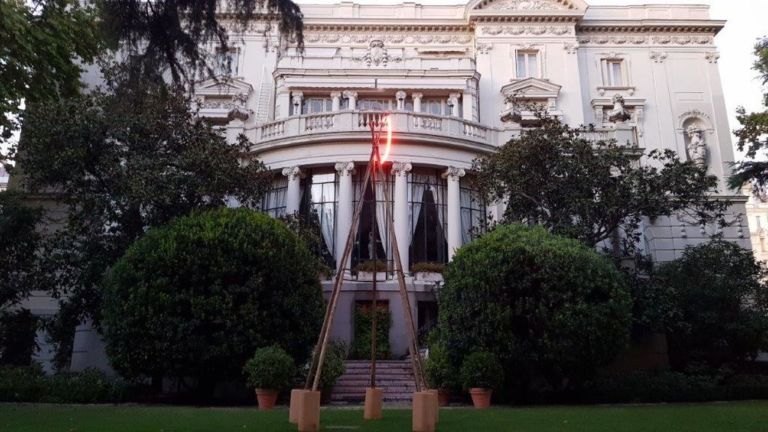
point(266, 399)
point(443, 397)
point(481, 397)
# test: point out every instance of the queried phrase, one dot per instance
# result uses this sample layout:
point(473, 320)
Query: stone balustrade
point(408, 124)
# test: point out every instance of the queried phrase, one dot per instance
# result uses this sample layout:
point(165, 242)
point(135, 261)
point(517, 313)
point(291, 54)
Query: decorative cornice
point(495, 30)
point(641, 39)
point(650, 26)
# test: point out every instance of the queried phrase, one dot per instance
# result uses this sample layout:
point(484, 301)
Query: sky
point(746, 22)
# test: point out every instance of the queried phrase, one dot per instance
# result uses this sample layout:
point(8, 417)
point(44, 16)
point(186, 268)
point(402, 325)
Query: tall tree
point(590, 191)
point(753, 133)
point(123, 159)
point(175, 36)
point(42, 47)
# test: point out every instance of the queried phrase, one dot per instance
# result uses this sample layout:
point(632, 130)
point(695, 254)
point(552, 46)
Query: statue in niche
point(697, 147)
point(619, 113)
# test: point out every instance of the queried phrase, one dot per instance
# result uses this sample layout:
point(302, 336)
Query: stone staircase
point(395, 377)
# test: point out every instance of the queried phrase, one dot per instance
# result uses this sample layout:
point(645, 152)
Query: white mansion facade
point(646, 76)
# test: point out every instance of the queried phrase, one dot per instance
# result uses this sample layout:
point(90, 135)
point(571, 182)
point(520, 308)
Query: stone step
point(394, 377)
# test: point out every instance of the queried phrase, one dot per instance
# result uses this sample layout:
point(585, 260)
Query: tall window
point(273, 202)
point(527, 64)
point(374, 104)
point(318, 207)
point(372, 240)
point(426, 196)
point(472, 214)
point(316, 105)
point(432, 106)
point(614, 72)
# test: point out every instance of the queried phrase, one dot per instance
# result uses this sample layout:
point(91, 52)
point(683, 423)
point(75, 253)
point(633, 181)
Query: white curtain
point(466, 216)
point(381, 217)
point(326, 217)
point(417, 198)
point(437, 192)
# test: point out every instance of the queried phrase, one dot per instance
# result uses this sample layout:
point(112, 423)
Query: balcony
point(410, 127)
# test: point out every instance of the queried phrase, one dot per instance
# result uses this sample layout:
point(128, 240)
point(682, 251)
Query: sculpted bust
point(619, 113)
point(697, 147)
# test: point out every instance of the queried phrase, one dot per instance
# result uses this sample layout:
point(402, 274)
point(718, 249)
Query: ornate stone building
point(646, 76)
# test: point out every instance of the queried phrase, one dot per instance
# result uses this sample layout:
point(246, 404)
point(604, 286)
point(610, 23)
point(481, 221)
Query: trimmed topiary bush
point(481, 370)
point(546, 306)
point(196, 298)
point(440, 373)
point(270, 368)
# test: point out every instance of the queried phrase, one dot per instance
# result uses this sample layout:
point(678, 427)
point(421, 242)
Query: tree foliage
point(589, 191)
point(42, 47)
point(753, 133)
point(123, 159)
point(175, 36)
point(19, 242)
point(720, 302)
point(546, 306)
point(198, 297)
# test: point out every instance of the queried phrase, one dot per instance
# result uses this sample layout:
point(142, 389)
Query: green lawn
point(727, 417)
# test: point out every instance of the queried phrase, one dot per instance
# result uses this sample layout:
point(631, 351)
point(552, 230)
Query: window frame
point(527, 53)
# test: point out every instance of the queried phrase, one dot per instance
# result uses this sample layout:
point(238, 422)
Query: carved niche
point(694, 127)
point(621, 110)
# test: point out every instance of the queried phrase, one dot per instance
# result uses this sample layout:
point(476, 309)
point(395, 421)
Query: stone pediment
point(531, 88)
point(526, 6)
point(223, 87)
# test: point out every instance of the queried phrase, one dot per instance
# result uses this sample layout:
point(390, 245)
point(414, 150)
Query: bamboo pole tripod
point(373, 172)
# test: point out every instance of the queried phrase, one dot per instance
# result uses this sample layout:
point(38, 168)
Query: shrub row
point(30, 384)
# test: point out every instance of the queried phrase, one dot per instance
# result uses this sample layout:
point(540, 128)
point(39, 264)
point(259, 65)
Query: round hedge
point(546, 306)
point(196, 298)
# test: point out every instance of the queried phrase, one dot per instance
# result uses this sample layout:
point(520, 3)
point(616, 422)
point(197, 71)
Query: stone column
point(467, 98)
point(453, 100)
point(344, 208)
point(296, 99)
point(453, 175)
point(400, 212)
point(417, 101)
point(352, 96)
point(335, 101)
point(293, 193)
point(400, 97)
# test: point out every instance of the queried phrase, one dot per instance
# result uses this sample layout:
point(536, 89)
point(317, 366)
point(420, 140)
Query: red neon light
point(389, 139)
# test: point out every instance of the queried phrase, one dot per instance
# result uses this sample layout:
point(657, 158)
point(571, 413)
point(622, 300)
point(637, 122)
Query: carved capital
point(350, 94)
point(400, 95)
point(401, 169)
point(296, 97)
point(335, 95)
point(454, 174)
point(712, 57)
point(658, 56)
point(345, 169)
point(293, 173)
point(415, 96)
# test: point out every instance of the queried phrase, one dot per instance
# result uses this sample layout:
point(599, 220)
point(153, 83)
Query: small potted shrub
point(269, 371)
point(365, 270)
point(428, 271)
point(440, 374)
point(333, 368)
point(481, 372)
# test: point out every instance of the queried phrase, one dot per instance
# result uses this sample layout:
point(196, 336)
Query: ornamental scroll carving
point(525, 5)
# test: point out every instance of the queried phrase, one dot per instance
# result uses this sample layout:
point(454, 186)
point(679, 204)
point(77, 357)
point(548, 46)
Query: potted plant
point(364, 270)
point(428, 271)
point(269, 371)
point(333, 368)
point(440, 374)
point(481, 372)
